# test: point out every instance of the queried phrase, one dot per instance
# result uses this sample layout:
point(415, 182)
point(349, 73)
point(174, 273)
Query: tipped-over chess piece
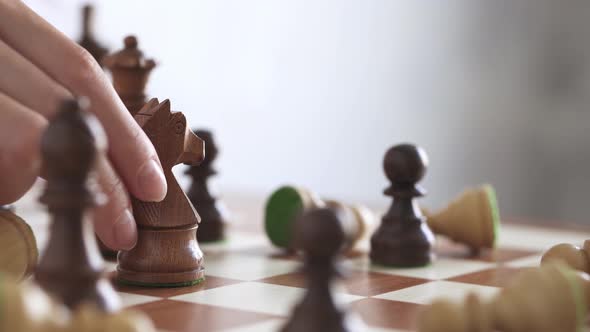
point(71, 268)
point(575, 257)
point(130, 71)
point(287, 203)
point(319, 234)
point(167, 253)
point(548, 299)
point(403, 239)
point(18, 248)
point(32, 310)
point(87, 40)
point(471, 219)
point(213, 220)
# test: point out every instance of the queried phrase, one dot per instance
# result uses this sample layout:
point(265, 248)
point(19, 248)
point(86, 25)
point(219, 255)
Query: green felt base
point(493, 202)
point(282, 208)
point(159, 285)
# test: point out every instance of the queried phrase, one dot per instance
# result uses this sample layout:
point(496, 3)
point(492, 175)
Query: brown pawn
point(403, 239)
point(575, 257)
point(318, 233)
point(167, 253)
point(212, 221)
point(71, 267)
point(87, 40)
point(130, 71)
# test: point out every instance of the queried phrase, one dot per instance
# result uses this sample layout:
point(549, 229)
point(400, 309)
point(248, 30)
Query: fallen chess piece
point(287, 203)
point(18, 247)
point(575, 257)
point(471, 219)
point(552, 298)
point(318, 233)
point(32, 310)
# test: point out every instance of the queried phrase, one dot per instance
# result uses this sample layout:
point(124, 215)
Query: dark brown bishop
point(212, 218)
point(167, 252)
point(130, 70)
point(87, 40)
point(71, 268)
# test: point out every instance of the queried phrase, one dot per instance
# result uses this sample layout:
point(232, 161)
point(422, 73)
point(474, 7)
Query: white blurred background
point(313, 92)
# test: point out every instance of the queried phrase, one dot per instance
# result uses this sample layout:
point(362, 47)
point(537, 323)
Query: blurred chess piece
point(403, 239)
point(18, 247)
point(288, 202)
point(87, 40)
point(71, 268)
point(575, 257)
point(32, 310)
point(548, 299)
point(319, 235)
point(213, 219)
point(471, 219)
point(130, 71)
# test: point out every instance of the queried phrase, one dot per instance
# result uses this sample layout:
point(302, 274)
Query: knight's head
point(168, 131)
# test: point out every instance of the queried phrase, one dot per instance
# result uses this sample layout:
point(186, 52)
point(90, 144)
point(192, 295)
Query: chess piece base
point(177, 261)
point(409, 246)
point(211, 228)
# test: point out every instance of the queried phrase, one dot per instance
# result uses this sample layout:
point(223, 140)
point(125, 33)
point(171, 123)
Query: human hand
point(41, 67)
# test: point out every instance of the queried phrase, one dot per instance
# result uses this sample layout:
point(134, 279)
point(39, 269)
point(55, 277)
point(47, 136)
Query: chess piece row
point(404, 237)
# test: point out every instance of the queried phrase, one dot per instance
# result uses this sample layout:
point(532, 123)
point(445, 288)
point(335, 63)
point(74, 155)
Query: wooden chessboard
point(252, 286)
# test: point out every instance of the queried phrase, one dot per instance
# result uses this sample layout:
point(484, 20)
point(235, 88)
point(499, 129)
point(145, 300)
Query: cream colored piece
point(26, 308)
point(575, 257)
point(553, 298)
point(471, 219)
point(18, 248)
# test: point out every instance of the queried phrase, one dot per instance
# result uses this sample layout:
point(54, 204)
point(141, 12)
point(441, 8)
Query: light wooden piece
point(577, 258)
point(548, 299)
point(18, 247)
point(289, 202)
point(471, 219)
point(30, 309)
point(167, 252)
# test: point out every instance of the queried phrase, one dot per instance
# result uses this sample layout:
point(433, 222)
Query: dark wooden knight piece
point(71, 268)
point(403, 239)
point(167, 252)
point(212, 219)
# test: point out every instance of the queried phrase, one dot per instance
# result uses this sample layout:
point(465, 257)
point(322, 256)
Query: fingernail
point(152, 182)
point(125, 231)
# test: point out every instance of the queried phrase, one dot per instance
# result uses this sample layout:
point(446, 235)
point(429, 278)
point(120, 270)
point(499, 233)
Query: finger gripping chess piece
point(32, 310)
point(167, 252)
point(71, 268)
point(471, 219)
point(318, 233)
point(88, 40)
point(287, 203)
point(575, 257)
point(548, 299)
point(403, 239)
point(18, 247)
point(130, 71)
point(213, 221)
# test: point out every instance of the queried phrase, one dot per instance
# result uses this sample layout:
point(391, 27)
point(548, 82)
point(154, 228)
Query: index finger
point(131, 152)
